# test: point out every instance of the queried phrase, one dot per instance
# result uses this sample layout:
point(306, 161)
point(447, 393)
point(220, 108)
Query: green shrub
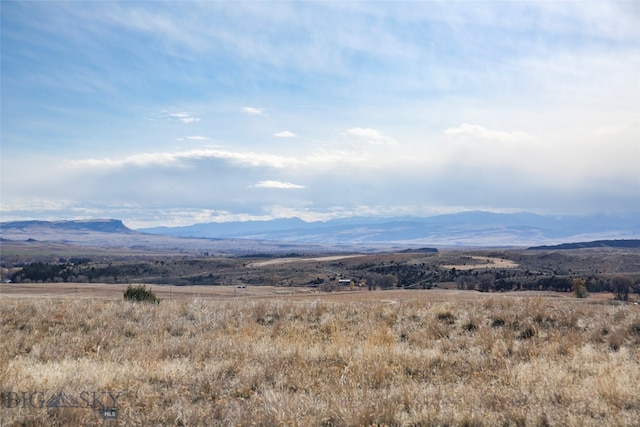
point(140, 294)
point(578, 286)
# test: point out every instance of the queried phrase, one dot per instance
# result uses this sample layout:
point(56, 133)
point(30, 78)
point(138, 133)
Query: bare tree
point(388, 281)
point(621, 286)
point(486, 281)
point(371, 280)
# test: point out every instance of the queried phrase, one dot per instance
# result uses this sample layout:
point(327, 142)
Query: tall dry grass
point(501, 361)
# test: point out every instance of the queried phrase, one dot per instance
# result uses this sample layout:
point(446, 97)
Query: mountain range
point(474, 228)
point(112, 234)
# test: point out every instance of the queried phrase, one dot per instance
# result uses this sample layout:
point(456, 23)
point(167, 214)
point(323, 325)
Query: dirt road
point(278, 261)
point(484, 262)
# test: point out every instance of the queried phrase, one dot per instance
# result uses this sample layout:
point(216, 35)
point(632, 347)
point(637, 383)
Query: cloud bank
point(168, 114)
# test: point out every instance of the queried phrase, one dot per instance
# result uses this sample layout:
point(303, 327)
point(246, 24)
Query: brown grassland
point(396, 358)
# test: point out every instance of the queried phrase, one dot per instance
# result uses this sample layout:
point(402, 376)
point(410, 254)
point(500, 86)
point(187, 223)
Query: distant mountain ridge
point(463, 229)
point(474, 228)
point(113, 234)
point(630, 243)
point(97, 225)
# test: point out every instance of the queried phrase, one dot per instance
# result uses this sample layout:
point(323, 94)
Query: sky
point(175, 113)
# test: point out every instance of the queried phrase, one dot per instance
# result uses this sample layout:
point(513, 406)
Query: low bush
point(578, 286)
point(140, 294)
point(447, 317)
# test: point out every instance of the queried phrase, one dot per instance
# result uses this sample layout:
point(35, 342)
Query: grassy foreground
point(498, 361)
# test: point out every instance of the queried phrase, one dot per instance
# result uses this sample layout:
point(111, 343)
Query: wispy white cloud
point(181, 116)
point(278, 185)
point(371, 136)
point(184, 117)
point(253, 111)
point(317, 161)
point(474, 131)
point(197, 138)
point(167, 158)
point(285, 134)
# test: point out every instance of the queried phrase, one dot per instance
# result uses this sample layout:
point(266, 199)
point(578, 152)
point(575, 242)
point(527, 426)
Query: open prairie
point(107, 291)
point(274, 356)
point(396, 339)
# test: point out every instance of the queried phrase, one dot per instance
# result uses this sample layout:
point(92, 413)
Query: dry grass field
point(396, 358)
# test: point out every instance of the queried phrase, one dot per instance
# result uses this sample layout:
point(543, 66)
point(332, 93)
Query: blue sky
point(171, 113)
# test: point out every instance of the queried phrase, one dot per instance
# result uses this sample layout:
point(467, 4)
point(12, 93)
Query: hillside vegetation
point(489, 270)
